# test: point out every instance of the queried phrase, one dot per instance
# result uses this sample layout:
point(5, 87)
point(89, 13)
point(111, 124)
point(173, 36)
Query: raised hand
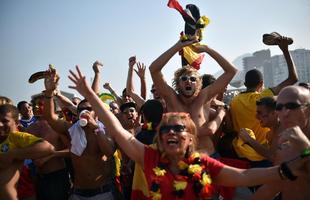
point(51, 81)
point(107, 86)
point(132, 61)
point(96, 66)
point(182, 44)
point(141, 70)
point(79, 81)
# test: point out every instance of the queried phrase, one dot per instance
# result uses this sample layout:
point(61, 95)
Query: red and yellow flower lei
point(191, 170)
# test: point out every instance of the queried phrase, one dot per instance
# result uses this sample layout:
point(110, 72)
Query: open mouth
point(172, 142)
point(188, 88)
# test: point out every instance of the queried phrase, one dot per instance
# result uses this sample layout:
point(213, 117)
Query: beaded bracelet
point(285, 172)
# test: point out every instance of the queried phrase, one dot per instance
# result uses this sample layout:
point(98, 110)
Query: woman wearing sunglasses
point(174, 169)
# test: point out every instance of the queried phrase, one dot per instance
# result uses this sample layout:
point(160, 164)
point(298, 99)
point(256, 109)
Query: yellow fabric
point(117, 157)
point(139, 181)
point(243, 113)
point(17, 140)
point(190, 55)
point(244, 150)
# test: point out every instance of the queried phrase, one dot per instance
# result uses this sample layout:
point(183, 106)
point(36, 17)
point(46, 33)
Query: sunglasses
point(85, 108)
point(289, 105)
point(186, 78)
point(178, 128)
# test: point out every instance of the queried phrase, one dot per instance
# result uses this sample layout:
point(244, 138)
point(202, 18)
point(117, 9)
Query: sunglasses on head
point(176, 128)
point(289, 105)
point(186, 78)
point(85, 108)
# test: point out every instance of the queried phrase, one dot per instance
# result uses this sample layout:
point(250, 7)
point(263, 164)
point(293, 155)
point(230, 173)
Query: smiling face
point(130, 115)
point(8, 120)
point(176, 134)
point(26, 111)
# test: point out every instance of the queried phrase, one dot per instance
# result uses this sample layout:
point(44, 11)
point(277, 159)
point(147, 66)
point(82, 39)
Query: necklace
point(191, 171)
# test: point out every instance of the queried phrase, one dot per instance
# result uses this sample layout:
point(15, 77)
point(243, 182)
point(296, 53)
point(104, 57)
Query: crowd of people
point(185, 143)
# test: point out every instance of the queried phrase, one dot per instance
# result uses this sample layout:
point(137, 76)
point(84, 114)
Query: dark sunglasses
point(289, 105)
point(85, 108)
point(176, 128)
point(191, 78)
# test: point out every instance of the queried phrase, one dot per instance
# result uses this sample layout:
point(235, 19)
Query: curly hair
point(186, 70)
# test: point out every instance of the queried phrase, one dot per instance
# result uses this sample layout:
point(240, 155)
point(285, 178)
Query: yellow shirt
point(243, 113)
point(17, 140)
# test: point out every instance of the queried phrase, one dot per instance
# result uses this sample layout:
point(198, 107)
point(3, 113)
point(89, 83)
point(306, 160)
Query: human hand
point(141, 70)
point(96, 66)
point(200, 48)
point(107, 86)
point(132, 61)
point(283, 43)
point(79, 81)
point(295, 138)
point(180, 44)
point(51, 81)
point(244, 135)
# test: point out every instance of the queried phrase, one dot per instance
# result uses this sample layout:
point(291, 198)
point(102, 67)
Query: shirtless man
point(91, 149)
point(187, 95)
point(293, 107)
point(52, 176)
point(14, 148)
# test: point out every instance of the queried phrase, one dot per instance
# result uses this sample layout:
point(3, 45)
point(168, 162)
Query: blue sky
point(35, 33)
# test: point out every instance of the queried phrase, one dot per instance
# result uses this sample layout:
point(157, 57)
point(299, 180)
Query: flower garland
point(191, 170)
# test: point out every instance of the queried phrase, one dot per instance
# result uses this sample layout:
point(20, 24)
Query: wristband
point(305, 153)
point(286, 172)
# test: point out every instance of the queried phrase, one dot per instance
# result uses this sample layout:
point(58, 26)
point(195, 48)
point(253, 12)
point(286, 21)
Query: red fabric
point(151, 160)
point(25, 186)
point(197, 62)
point(138, 195)
point(175, 4)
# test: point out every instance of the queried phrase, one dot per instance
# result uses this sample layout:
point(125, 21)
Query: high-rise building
point(275, 69)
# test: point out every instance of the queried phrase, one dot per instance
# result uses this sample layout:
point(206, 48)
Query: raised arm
point(221, 82)
point(96, 82)
point(141, 73)
point(60, 126)
point(161, 85)
point(292, 74)
point(129, 86)
point(108, 87)
point(133, 148)
point(65, 102)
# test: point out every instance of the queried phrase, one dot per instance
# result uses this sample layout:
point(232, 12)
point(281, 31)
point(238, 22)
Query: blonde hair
point(186, 70)
point(188, 122)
